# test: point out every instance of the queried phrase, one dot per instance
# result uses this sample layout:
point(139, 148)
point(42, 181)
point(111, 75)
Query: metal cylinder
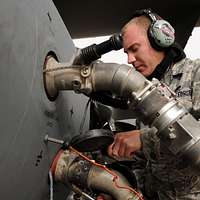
point(68, 167)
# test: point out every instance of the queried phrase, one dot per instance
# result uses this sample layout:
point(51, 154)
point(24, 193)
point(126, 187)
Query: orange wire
point(115, 176)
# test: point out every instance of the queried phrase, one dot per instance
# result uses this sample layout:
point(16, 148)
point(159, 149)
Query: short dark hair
point(142, 21)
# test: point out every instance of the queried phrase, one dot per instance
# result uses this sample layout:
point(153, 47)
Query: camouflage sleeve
point(150, 143)
point(196, 90)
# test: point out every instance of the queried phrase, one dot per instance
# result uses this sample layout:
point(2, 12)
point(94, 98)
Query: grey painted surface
point(29, 29)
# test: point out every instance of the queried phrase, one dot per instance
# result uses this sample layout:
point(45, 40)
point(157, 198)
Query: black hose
point(95, 51)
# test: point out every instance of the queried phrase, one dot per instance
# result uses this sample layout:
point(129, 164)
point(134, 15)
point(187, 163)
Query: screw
point(85, 71)
point(172, 136)
point(54, 140)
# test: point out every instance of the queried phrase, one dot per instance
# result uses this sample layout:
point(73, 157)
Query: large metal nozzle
point(120, 79)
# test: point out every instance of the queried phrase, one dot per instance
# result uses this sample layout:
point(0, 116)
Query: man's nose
point(131, 59)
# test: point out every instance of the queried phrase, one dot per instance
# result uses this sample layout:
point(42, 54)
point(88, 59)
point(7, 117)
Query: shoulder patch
point(183, 92)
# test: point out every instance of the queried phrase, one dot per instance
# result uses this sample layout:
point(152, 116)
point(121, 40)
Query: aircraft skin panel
point(29, 30)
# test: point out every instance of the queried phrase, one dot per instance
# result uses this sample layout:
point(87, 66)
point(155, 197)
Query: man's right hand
point(104, 197)
point(100, 198)
point(125, 144)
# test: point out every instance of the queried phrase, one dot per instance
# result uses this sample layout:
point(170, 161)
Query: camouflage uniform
point(168, 177)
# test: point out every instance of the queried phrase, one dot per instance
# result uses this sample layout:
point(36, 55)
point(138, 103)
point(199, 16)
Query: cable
point(84, 116)
point(50, 185)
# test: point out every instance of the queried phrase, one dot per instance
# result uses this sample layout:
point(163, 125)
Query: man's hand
point(125, 144)
point(103, 197)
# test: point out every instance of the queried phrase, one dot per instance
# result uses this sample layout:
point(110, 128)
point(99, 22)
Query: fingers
point(104, 197)
point(125, 144)
point(110, 150)
point(100, 198)
point(121, 146)
point(117, 149)
point(122, 149)
point(116, 146)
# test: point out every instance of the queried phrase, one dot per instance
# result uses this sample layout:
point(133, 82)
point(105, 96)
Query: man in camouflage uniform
point(163, 174)
point(166, 175)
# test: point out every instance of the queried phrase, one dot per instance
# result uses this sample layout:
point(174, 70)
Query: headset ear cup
point(151, 38)
point(162, 33)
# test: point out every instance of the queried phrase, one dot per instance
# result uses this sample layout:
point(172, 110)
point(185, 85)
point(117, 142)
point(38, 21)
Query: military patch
point(184, 92)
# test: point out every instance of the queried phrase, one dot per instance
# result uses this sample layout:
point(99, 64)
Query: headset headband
point(147, 12)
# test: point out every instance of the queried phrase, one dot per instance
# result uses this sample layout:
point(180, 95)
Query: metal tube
point(68, 167)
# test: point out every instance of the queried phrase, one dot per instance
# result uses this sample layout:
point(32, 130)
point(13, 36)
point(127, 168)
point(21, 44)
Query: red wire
point(115, 176)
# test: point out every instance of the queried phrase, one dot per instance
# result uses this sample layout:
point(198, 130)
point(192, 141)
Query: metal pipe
point(103, 181)
point(121, 79)
point(68, 167)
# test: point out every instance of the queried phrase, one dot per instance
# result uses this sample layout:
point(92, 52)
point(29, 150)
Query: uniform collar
point(178, 68)
point(174, 54)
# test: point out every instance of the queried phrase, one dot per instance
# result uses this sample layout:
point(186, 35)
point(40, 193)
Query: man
point(165, 176)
